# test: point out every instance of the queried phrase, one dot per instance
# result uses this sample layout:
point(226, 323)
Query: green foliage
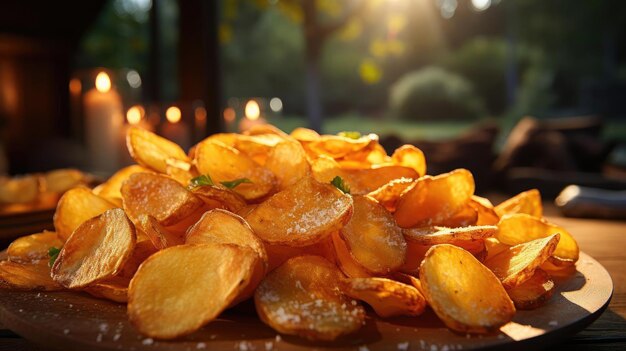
point(233, 183)
point(340, 184)
point(199, 181)
point(53, 253)
point(433, 93)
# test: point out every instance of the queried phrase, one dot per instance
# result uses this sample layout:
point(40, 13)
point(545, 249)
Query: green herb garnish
point(53, 252)
point(349, 134)
point(198, 181)
point(233, 183)
point(340, 184)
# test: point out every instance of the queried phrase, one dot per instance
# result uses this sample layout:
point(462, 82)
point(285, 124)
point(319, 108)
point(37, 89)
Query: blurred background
point(524, 93)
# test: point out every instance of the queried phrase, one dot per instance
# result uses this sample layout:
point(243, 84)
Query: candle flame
point(252, 110)
point(103, 82)
point(173, 114)
point(134, 114)
point(75, 86)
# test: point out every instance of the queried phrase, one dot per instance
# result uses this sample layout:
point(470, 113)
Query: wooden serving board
point(74, 321)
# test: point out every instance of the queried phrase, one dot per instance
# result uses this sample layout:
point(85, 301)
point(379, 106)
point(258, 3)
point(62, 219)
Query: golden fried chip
point(178, 290)
point(260, 129)
point(528, 202)
point(304, 134)
point(302, 297)
point(141, 252)
point(75, 207)
point(442, 235)
point(485, 211)
point(151, 150)
point(279, 254)
point(257, 147)
point(160, 237)
point(22, 189)
point(373, 238)
point(33, 248)
point(97, 250)
point(520, 228)
point(346, 262)
point(494, 247)
point(114, 289)
point(387, 297)
point(62, 180)
point(219, 196)
point(534, 292)
point(465, 295)
point(158, 196)
point(415, 254)
point(287, 160)
point(410, 156)
point(433, 199)
point(111, 189)
point(27, 276)
point(389, 194)
point(224, 163)
point(336, 146)
point(517, 264)
point(301, 215)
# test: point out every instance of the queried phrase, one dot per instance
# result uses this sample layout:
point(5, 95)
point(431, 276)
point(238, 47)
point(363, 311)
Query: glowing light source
point(481, 5)
point(229, 114)
point(252, 110)
point(134, 114)
point(133, 78)
point(103, 82)
point(200, 114)
point(75, 86)
point(276, 104)
point(173, 114)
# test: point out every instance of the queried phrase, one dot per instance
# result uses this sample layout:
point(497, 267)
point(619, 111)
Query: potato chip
point(415, 254)
point(97, 250)
point(520, 228)
point(22, 189)
point(219, 196)
point(534, 292)
point(336, 146)
point(33, 248)
point(517, 264)
point(302, 297)
point(387, 297)
point(257, 147)
point(141, 252)
point(159, 196)
point(528, 202)
point(22, 276)
point(465, 295)
point(111, 189)
point(410, 156)
point(389, 194)
point(181, 175)
point(287, 160)
point(485, 211)
point(114, 289)
point(223, 227)
point(159, 237)
point(260, 129)
point(441, 235)
point(434, 199)
point(373, 238)
point(301, 215)
point(178, 290)
point(224, 163)
point(304, 134)
point(75, 207)
point(151, 150)
point(409, 280)
point(348, 265)
point(494, 247)
point(62, 180)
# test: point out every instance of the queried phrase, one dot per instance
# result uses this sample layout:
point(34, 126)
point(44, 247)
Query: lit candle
point(175, 129)
point(135, 116)
point(103, 120)
point(252, 116)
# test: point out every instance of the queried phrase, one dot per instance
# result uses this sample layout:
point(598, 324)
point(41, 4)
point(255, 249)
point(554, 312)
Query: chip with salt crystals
point(389, 194)
point(75, 207)
point(410, 156)
point(465, 295)
point(34, 276)
point(345, 261)
point(533, 293)
point(33, 248)
point(301, 215)
point(387, 297)
point(151, 150)
point(441, 235)
point(302, 297)
point(373, 238)
point(528, 202)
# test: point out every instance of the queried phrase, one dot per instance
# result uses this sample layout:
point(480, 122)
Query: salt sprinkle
point(213, 336)
point(116, 337)
point(103, 327)
point(363, 348)
point(99, 337)
point(269, 346)
point(200, 345)
point(246, 346)
point(445, 348)
point(71, 305)
point(147, 341)
point(553, 323)
point(66, 331)
point(278, 338)
point(403, 346)
point(21, 310)
point(500, 336)
point(433, 347)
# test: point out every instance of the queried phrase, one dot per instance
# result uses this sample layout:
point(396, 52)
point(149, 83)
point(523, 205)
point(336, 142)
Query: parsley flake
point(233, 183)
point(53, 252)
point(340, 184)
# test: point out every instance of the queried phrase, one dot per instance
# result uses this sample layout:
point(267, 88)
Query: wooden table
point(603, 240)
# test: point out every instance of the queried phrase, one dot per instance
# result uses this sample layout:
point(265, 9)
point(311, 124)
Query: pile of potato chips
point(311, 226)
